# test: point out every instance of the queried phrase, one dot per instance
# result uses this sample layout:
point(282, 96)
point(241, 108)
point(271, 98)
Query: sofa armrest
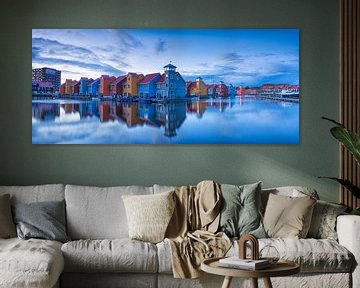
point(348, 230)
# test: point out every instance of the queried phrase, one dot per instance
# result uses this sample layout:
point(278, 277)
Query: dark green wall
point(317, 154)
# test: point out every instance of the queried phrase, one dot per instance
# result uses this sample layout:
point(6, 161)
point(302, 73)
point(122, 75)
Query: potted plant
point(351, 141)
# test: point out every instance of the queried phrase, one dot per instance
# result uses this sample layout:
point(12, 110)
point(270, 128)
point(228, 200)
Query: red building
point(221, 89)
point(104, 86)
point(116, 87)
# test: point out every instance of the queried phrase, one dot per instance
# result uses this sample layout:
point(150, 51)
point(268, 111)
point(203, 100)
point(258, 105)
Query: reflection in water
point(220, 120)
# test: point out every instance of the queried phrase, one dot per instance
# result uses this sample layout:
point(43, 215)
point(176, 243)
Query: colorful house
point(231, 90)
point(62, 89)
point(69, 86)
point(83, 85)
point(147, 86)
point(221, 89)
point(240, 90)
point(197, 88)
point(93, 87)
point(75, 88)
point(104, 85)
point(130, 87)
point(116, 87)
point(211, 90)
point(170, 85)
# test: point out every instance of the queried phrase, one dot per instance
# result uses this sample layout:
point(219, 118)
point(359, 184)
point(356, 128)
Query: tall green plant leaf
point(347, 184)
point(348, 138)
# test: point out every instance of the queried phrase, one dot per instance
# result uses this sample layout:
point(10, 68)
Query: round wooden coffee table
point(281, 268)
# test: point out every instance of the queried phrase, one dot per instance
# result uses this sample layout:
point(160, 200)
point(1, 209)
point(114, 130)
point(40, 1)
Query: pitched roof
point(161, 79)
point(94, 82)
point(148, 78)
point(169, 66)
point(118, 80)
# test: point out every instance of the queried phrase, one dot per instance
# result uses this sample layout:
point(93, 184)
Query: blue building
point(93, 87)
point(147, 86)
point(170, 85)
point(231, 90)
point(83, 85)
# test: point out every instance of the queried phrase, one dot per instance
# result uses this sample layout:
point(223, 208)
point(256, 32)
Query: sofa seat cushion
point(115, 255)
point(313, 255)
point(30, 263)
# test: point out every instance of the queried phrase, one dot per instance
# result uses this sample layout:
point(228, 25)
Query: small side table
point(281, 268)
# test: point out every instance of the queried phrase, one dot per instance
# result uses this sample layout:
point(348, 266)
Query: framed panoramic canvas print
point(165, 86)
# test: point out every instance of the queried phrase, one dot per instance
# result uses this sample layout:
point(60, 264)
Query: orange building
point(104, 86)
point(130, 87)
point(69, 86)
point(197, 88)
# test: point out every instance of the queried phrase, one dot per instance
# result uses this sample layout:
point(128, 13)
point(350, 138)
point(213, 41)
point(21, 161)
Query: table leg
point(227, 282)
point(254, 282)
point(267, 283)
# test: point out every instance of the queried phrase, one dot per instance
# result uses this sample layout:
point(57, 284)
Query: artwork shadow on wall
point(165, 86)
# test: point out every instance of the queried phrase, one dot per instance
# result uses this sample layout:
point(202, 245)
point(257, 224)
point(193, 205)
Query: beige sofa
point(101, 254)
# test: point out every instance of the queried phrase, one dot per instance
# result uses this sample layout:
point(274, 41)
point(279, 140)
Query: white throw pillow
point(149, 215)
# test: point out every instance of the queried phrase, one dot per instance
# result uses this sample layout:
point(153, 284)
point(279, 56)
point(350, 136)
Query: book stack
point(248, 264)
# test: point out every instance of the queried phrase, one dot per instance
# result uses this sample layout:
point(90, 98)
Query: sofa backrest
point(98, 212)
point(36, 193)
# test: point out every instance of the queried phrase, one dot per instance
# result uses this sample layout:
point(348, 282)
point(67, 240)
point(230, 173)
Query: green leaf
point(349, 139)
point(347, 184)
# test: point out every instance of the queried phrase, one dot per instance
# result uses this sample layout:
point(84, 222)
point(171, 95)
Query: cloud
point(160, 46)
point(75, 59)
point(233, 57)
point(125, 39)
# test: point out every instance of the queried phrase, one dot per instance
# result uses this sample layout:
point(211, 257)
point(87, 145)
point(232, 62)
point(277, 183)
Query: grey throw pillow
point(323, 222)
point(240, 213)
point(7, 226)
point(44, 220)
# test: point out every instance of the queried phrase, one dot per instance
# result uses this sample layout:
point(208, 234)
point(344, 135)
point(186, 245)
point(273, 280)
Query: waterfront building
point(221, 89)
point(147, 86)
point(69, 86)
point(47, 75)
point(240, 90)
point(62, 89)
point(41, 87)
point(116, 87)
point(130, 87)
point(211, 90)
point(83, 85)
point(104, 85)
point(75, 88)
point(93, 87)
point(231, 90)
point(170, 85)
point(197, 88)
point(251, 91)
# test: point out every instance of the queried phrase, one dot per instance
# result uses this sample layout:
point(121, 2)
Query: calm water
point(212, 121)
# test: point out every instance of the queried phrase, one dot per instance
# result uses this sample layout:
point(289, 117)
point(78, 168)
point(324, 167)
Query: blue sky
point(247, 57)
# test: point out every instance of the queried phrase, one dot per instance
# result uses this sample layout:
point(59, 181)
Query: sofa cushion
point(291, 191)
point(149, 215)
point(98, 213)
point(116, 255)
point(240, 210)
point(30, 263)
point(323, 222)
point(43, 220)
point(36, 193)
point(313, 255)
point(7, 226)
point(287, 216)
